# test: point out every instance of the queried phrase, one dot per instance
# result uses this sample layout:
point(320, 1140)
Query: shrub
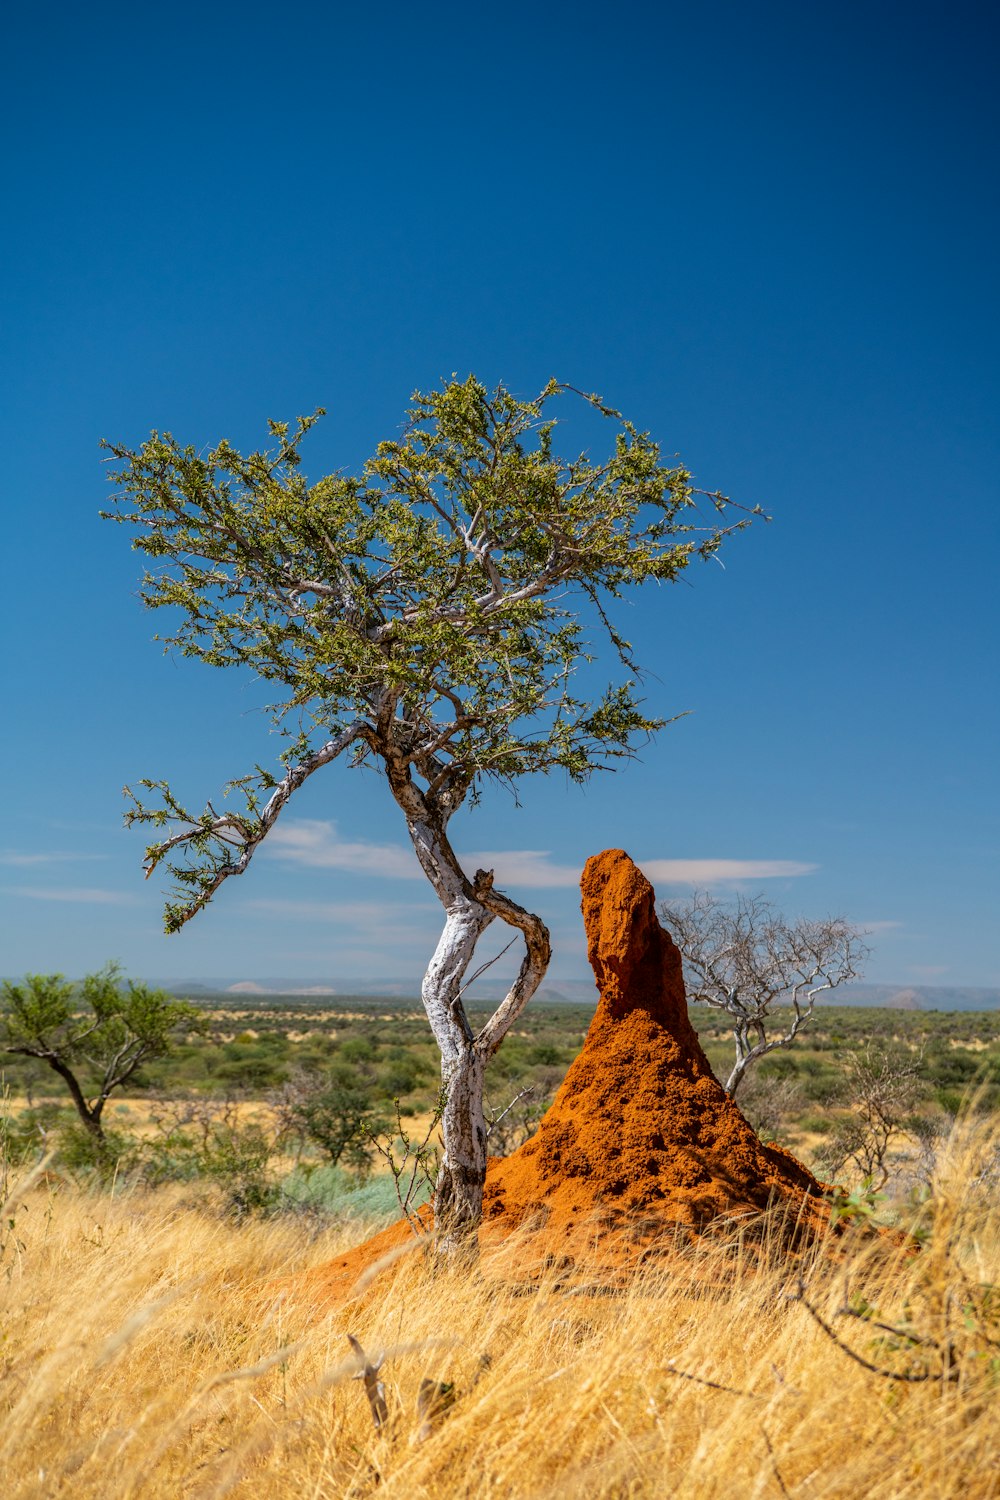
point(331, 1192)
point(99, 1158)
point(238, 1157)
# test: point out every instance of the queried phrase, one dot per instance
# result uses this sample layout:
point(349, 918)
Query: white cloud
point(720, 871)
point(312, 841)
point(528, 867)
point(876, 927)
point(315, 842)
point(20, 858)
point(94, 895)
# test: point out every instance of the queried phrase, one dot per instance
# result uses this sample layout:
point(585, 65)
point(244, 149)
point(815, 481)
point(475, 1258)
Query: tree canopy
point(428, 616)
point(426, 612)
point(94, 1035)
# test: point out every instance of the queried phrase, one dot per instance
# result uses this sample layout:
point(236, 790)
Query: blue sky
point(768, 233)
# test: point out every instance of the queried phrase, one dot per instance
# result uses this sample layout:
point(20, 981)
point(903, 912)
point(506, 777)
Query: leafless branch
point(748, 960)
point(911, 1377)
point(374, 1388)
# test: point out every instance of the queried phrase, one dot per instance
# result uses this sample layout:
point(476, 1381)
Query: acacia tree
point(424, 618)
point(765, 972)
point(95, 1035)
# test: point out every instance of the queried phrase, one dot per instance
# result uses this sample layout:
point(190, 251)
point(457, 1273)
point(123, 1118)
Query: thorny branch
point(950, 1371)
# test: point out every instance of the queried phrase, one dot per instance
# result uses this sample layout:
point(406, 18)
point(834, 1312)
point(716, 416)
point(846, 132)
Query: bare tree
point(882, 1087)
point(765, 972)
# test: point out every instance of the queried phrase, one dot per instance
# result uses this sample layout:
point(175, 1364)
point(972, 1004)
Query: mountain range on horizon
point(576, 992)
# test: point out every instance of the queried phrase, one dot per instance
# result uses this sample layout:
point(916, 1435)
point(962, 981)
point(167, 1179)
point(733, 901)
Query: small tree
point(339, 1118)
point(95, 1035)
point(765, 972)
point(882, 1087)
point(422, 618)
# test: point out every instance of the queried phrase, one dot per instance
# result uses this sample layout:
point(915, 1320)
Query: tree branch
point(251, 831)
point(537, 953)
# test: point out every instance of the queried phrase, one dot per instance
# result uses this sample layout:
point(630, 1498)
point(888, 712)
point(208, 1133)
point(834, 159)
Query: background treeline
point(329, 1107)
point(386, 1048)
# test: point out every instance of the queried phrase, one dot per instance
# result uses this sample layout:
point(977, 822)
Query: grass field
point(153, 1348)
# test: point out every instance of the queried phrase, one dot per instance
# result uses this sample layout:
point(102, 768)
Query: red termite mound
point(640, 1130)
point(641, 1141)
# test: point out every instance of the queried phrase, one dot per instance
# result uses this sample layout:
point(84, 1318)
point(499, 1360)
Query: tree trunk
point(470, 907)
point(90, 1115)
point(458, 1196)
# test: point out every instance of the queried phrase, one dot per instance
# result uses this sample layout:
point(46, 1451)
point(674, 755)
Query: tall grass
point(149, 1349)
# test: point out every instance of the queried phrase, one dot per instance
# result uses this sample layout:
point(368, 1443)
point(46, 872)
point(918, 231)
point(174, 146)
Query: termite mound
point(642, 1151)
point(641, 1132)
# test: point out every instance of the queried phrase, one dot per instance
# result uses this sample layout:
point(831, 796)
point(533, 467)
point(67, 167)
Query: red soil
point(641, 1143)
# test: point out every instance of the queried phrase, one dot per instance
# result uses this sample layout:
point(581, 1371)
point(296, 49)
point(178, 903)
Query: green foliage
point(340, 1120)
point(94, 1035)
point(251, 1065)
point(25, 1133)
point(238, 1157)
point(97, 1022)
point(861, 1205)
point(427, 612)
point(100, 1159)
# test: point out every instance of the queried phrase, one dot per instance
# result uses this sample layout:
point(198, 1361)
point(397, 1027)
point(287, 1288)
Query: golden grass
point(149, 1349)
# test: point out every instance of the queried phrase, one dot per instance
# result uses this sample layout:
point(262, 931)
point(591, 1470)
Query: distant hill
point(577, 991)
point(919, 996)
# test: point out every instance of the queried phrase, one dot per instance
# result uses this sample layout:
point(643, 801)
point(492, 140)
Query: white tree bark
point(469, 910)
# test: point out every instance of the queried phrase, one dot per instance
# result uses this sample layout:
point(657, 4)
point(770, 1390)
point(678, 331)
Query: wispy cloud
point(877, 927)
point(721, 871)
point(533, 868)
point(312, 841)
point(94, 895)
point(393, 933)
point(54, 857)
point(355, 914)
point(315, 842)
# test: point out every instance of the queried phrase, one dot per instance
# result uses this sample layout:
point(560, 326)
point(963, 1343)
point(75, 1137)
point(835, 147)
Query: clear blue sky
point(768, 233)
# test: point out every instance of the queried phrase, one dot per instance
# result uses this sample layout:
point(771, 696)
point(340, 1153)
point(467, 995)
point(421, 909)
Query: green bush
point(339, 1119)
point(238, 1157)
point(338, 1194)
point(545, 1055)
point(779, 1065)
point(31, 1130)
point(81, 1152)
point(251, 1068)
point(823, 1088)
point(400, 1077)
point(359, 1049)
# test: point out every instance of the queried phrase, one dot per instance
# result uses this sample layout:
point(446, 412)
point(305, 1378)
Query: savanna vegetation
point(296, 1101)
point(161, 1336)
point(151, 1348)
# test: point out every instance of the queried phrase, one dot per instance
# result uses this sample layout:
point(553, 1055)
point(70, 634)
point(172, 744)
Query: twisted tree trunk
point(470, 907)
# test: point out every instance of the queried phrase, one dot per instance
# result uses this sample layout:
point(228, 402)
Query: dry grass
point(147, 1350)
